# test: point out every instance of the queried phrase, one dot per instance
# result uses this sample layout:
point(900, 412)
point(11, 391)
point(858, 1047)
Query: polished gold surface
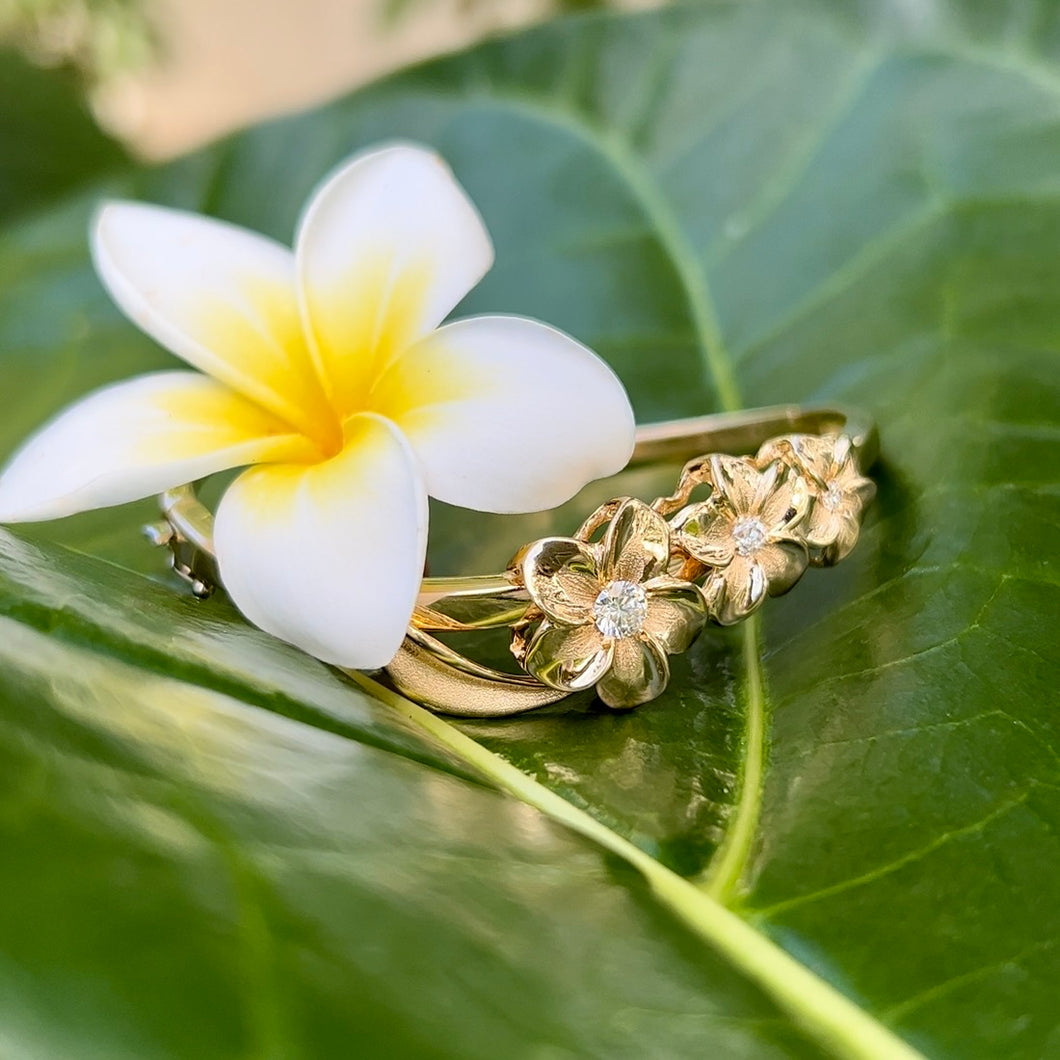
point(607, 613)
point(636, 582)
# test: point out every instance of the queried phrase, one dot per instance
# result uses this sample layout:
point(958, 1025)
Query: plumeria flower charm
point(327, 369)
point(612, 614)
point(840, 492)
point(746, 531)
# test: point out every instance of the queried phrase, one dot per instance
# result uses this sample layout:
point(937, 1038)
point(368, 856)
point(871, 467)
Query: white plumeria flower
point(327, 368)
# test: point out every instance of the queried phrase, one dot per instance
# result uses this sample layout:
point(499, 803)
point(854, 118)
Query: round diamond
point(620, 609)
point(749, 534)
point(832, 497)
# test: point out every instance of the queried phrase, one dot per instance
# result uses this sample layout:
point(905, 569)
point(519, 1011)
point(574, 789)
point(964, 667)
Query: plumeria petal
point(637, 544)
point(385, 250)
point(221, 298)
point(507, 414)
point(677, 611)
point(568, 658)
point(561, 576)
point(639, 672)
point(329, 556)
point(136, 438)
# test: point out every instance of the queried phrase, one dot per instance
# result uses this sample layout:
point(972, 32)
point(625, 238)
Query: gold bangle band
point(608, 610)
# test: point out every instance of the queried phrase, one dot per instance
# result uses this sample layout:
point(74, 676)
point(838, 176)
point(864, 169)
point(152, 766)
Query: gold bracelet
point(637, 581)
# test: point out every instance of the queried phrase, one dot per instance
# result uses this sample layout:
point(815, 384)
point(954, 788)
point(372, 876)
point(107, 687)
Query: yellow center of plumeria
point(346, 365)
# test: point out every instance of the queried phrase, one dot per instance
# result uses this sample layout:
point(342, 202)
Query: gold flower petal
point(821, 527)
point(840, 449)
point(818, 454)
point(864, 488)
point(736, 479)
point(566, 658)
point(736, 591)
point(820, 457)
point(704, 531)
point(786, 506)
point(636, 545)
point(561, 577)
point(639, 672)
point(783, 449)
point(846, 536)
point(765, 486)
point(677, 611)
point(783, 563)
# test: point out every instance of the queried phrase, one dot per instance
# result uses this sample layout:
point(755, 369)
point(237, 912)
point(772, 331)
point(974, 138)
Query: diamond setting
point(749, 534)
point(620, 609)
point(832, 497)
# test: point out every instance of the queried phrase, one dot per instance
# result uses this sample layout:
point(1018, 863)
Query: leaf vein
point(891, 867)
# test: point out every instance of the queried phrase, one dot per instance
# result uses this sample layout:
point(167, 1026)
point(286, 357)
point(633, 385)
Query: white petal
point(329, 556)
point(508, 414)
point(218, 296)
point(136, 438)
point(386, 248)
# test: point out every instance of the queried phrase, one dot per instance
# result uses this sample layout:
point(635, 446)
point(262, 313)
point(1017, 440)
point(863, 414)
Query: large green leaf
point(213, 845)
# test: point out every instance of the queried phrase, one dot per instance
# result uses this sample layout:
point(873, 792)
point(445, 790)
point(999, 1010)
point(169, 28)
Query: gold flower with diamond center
point(841, 493)
point(745, 532)
point(611, 612)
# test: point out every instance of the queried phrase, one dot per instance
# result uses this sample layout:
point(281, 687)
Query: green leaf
point(189, 874)
point(212, 843)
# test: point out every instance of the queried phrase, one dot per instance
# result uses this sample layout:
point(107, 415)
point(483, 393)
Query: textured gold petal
point(560, 575)
point(766, 485)
point(824, 527)
point(821, 527)
point(782, 449)
point(714, 593)
point(736, 479)
point(846, 536)
point(738, 590)
point(783, 563)
point(786, 506)
point(809, 452)
point(705, 532)
point(568, 659)
point(636, 546)
point(864, 489)
point(676, 613)
point(818, 455)
point(639, 672)
point(827, 459)
point(840, 453)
